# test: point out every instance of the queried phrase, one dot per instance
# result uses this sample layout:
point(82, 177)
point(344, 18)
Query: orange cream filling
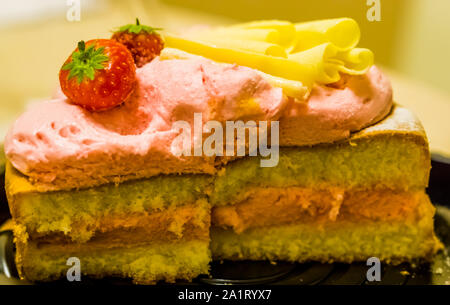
point(171, 225)
point(275, 206)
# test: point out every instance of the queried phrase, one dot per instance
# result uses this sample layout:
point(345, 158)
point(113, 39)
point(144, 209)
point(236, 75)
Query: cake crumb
point(404, 272)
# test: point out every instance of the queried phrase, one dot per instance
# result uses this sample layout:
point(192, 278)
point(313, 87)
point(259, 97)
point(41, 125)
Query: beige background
point(411, 42)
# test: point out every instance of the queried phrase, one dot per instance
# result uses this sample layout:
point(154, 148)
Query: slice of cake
point(347, 201)
point(98, 174)
point(147, 230)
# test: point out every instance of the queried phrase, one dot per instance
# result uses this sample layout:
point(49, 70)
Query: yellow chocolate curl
point(286, 33)
point(295, 55)
point(276, 66)
point(343, 33)
point(292, 88)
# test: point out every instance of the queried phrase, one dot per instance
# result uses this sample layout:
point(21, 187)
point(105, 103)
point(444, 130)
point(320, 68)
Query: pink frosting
point(333, 112)
point(63, 146)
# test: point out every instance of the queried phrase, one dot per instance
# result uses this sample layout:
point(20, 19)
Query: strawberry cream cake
point(92, 173)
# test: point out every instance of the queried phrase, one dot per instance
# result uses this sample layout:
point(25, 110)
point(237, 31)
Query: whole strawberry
point(142, 41)
point(99, 75)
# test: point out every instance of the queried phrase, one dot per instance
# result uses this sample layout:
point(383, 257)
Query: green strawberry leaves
point(137, 28)
point(85, 61)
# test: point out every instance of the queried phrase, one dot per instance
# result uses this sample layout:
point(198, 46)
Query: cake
point(343, 202)
point(110, 188)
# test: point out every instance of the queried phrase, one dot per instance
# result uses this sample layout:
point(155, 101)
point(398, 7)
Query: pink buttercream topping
point(332, 112)
point(60, 144)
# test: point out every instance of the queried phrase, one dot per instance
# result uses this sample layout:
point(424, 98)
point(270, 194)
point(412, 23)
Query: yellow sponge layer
point(390, 162)
point(144, 264)
point(393, 243)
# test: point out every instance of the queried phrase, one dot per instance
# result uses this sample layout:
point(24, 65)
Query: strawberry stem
point(138, 28)
point(85, 61)
point(81, 45)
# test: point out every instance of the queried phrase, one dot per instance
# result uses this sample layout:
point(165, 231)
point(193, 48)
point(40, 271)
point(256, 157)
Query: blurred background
point(411, 43)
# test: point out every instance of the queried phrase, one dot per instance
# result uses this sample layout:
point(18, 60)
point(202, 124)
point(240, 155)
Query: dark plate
point(283, 273)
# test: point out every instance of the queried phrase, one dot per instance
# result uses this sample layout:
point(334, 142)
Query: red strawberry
point(99, 75)
point(143, 41)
